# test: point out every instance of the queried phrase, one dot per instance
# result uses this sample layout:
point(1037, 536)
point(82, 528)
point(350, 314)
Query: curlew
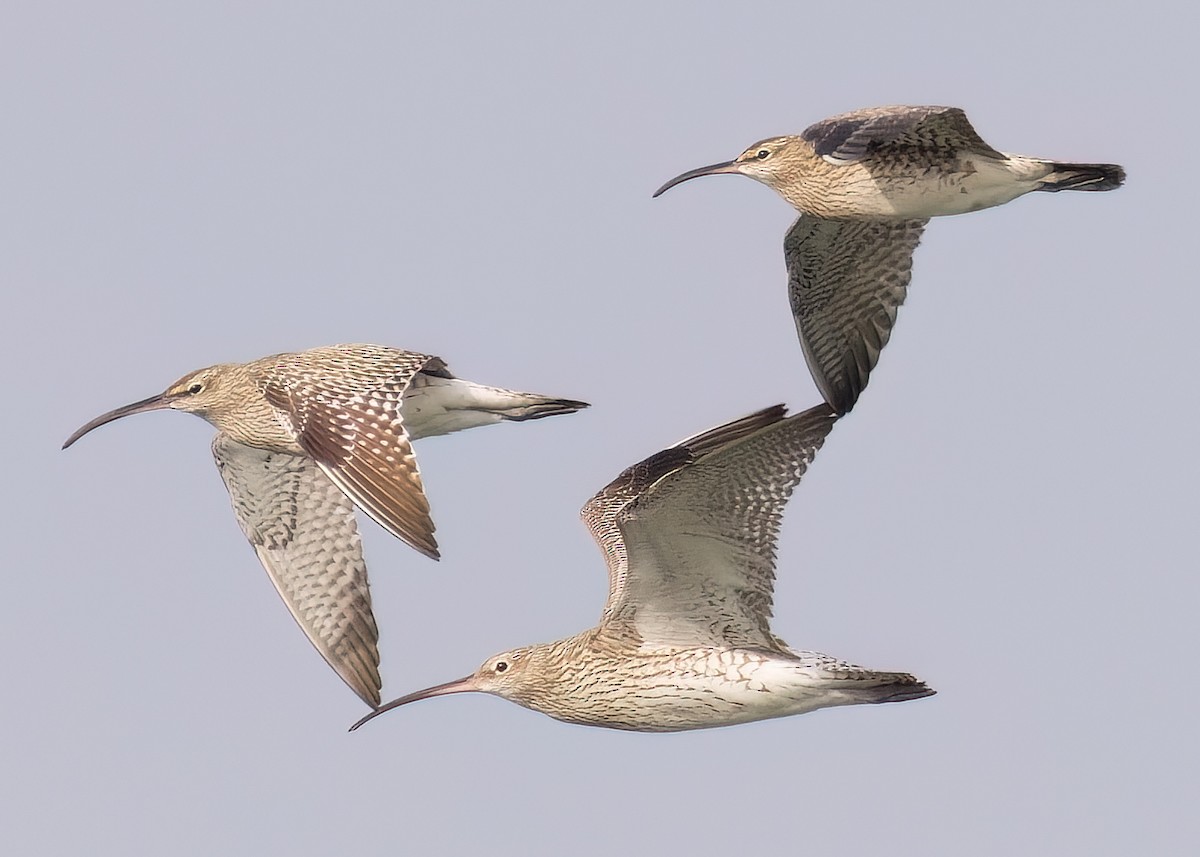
point(866, 183)
point(300, 438)
point(685, 641)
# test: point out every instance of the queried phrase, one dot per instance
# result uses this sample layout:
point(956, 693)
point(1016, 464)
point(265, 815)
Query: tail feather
point(902, 691)
point(435, 405)
point(844, 683)
point(869, 687)
point(545, 408)
point(1083, 177)
point(888, 687)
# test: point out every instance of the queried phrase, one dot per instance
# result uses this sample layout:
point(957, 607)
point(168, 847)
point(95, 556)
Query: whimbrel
point(302, 435)
point(685, 641)
point(866, 183)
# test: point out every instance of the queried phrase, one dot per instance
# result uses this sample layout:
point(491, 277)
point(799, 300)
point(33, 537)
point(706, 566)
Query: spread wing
point(890, 130)
point(846, 282)
point(303, 530)
point(347, 413)
point(690, 533)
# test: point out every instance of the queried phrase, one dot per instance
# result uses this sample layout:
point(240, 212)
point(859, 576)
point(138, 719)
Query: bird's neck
point(248, 418)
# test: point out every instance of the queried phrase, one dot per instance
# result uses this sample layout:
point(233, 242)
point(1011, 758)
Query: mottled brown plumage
point(684, 641)
point(302, 527)
point(846, 282)
point(300, 436)
point(893, 167)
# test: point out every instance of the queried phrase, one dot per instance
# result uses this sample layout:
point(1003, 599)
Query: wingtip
point(826, 411)
point(841, 394)
point(422, 541)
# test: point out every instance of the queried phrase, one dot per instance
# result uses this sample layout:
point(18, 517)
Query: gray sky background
point(1009, 513)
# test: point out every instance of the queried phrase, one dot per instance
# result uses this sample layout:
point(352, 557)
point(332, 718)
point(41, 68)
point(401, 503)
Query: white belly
point(980, 183)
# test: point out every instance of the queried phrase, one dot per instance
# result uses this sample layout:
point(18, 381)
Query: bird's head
point(197, 392)
point(201, 391)
point(504, 674)
point(773, 161)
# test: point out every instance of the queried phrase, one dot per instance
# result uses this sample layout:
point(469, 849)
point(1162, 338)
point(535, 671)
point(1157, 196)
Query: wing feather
point(345, 402)
point(601, 513)
point(846, 282)
point(888, 131)
point(691, 532)
point(303, 530)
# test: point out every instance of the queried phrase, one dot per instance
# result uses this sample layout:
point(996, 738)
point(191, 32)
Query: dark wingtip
point(842, 401)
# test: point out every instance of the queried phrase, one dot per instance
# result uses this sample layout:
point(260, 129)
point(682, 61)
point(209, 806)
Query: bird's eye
point(763, 154)
point(501, 666)
point(195, 388)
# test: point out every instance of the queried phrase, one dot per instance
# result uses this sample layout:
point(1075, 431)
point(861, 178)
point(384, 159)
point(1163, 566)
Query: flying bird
point(685, 641)
point(304, 437)
point(866, 183)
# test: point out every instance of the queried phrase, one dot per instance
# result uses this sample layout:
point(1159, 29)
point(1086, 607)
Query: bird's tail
point(511, 405)
point(855, 685)
point(890, 687)
point(434, 406)
point(1083, 177)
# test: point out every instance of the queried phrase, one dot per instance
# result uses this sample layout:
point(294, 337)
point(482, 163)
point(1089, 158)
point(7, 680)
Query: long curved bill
point(462, 685)
point(710, 170)
point(153, 403)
